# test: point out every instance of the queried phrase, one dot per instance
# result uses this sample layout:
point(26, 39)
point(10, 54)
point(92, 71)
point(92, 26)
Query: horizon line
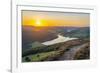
point(54, 26)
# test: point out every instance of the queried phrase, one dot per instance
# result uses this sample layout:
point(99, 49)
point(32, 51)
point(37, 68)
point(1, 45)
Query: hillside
point(52, 52)
point(79, 33)
point(43, 34)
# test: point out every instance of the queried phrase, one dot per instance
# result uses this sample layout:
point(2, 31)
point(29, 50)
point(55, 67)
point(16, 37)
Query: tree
point(27, 59)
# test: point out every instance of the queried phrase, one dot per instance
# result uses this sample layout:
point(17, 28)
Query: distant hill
point(34, 35)
point(78, 33)
point(31, 34)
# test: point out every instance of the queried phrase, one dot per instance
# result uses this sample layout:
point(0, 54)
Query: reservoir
point(58, 40)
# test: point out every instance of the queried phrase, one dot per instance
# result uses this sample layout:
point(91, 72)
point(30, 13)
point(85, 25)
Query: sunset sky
point(41, 18)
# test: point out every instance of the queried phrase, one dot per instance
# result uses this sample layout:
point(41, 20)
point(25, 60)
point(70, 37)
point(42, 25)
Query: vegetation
point(51, 52)
point(34, 51)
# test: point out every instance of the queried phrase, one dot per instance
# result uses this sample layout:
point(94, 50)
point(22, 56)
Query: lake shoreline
point(58, 40)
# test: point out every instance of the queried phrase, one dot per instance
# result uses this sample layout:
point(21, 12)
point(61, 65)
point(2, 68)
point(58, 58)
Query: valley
point(55, 43)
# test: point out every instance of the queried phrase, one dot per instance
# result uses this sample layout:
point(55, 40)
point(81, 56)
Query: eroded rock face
point(83, 52)
point(72, 50)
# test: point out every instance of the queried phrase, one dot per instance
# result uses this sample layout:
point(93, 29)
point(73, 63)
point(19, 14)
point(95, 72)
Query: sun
point(38, 23)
